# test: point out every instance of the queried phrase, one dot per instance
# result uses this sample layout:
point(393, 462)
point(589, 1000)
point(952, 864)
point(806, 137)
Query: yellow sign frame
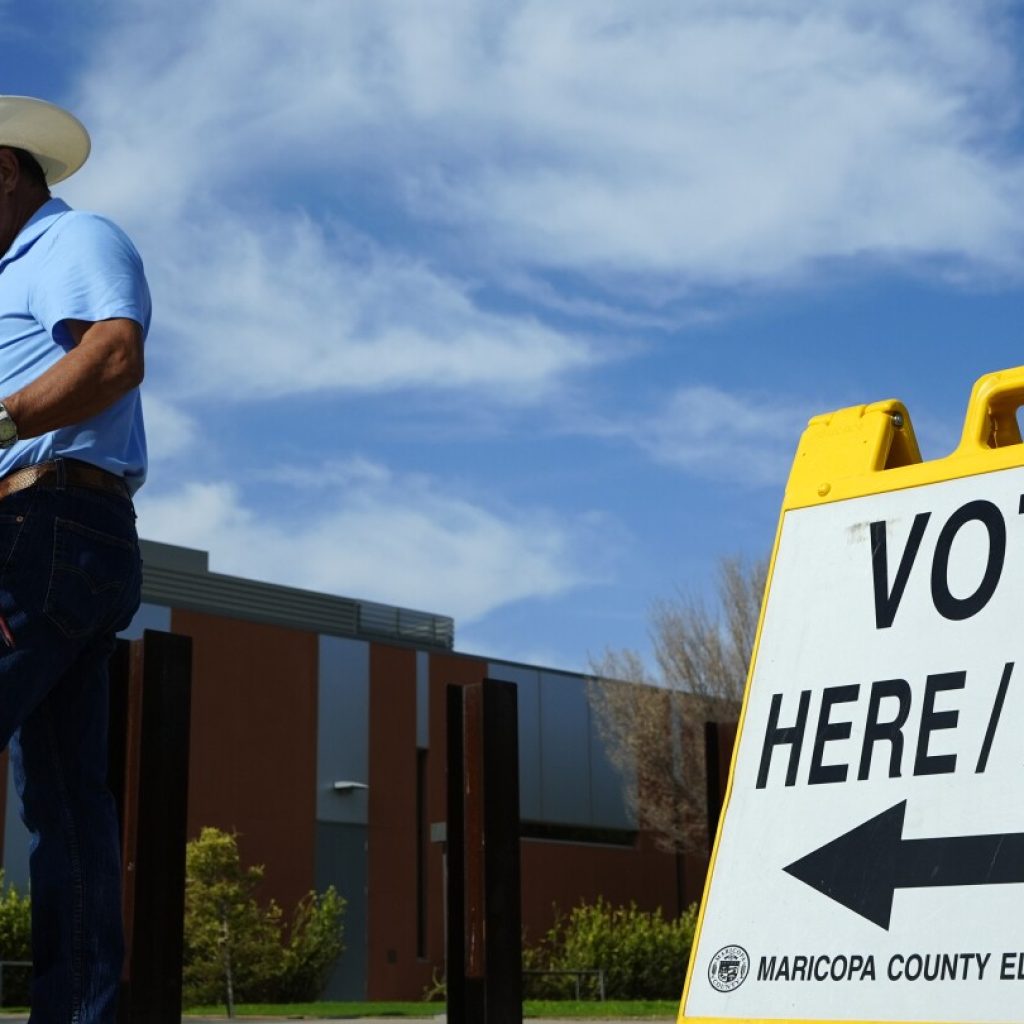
point(857, 452)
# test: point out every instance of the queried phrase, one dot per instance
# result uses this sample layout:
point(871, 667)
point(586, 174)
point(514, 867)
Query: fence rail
point(599, 974)
point(4, 964)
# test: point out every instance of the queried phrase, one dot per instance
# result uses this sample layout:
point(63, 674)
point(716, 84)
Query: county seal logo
point(729, 968)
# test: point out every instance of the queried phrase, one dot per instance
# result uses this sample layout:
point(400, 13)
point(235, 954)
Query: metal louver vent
point(177, 577)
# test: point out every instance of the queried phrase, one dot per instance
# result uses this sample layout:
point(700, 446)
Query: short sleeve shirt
point(70, 265)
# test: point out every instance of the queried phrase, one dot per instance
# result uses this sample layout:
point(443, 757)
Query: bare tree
point(655, 731)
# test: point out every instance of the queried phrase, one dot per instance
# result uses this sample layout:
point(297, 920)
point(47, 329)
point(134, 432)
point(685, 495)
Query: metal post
point(502, 866)
point(149, 741)
point(455, 856)
point(484, 900)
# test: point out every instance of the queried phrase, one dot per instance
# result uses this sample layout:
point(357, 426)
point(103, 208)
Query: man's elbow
point(126, 364)
point(134, 372)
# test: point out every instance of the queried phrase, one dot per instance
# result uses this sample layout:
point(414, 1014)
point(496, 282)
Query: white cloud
point(638, 149)
point(708, 142)
point(287, 308)
point(381, 536)
point(256, 299)
point(709, 432)
point(720, 434)
point(169, 430)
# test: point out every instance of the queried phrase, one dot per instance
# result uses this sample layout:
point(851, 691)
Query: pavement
point(437, 1019)
point(440, 1019)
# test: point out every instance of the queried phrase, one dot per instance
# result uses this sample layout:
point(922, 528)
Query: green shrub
point(314, 944)
point(643, 955)
point(543, 957)
point(235, 949)
point(15, 942)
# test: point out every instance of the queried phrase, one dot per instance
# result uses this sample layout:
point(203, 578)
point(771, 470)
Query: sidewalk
point(437, 1019)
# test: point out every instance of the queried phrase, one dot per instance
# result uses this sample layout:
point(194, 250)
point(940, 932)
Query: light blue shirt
point(69, 265)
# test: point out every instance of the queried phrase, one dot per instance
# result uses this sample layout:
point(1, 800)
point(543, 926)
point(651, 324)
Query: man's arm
point(106, 363)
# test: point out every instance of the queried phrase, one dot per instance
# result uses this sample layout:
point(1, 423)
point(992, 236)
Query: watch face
point(8, 431)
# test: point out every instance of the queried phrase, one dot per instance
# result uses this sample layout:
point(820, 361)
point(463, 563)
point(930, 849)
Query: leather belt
point(65, 472)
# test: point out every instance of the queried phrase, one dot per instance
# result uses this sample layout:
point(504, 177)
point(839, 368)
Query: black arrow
point(863, 868)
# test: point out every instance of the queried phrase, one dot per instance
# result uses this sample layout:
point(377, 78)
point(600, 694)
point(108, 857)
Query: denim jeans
point(70, 578)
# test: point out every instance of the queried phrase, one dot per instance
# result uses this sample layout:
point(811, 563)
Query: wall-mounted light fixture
point(348, 787)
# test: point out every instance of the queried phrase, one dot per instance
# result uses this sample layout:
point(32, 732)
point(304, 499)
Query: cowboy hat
point(57, 139)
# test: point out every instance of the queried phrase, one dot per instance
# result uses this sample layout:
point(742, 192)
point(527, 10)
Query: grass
point(326, 1009)
point(624, 1009)
point(531, 1008)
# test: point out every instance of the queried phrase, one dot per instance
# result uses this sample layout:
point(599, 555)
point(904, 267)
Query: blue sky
point(515, 312)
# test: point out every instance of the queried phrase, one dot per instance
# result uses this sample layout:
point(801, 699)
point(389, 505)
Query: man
point(74, 311)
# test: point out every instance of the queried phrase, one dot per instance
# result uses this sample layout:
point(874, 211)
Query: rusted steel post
point(149, 750)
point(484, 899)
point(455, 908)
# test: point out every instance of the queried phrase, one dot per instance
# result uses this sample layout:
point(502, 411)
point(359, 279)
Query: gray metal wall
point(343, 730)
point(341, 861)
point(343, 735)
point(565, 776)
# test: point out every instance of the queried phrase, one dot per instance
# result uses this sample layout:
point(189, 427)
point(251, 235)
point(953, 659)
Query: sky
point(515, 312)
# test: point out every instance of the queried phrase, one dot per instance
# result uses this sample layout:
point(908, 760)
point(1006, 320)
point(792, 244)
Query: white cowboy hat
point(57, 139)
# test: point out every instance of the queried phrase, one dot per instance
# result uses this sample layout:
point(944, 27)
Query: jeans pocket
point(89, 583)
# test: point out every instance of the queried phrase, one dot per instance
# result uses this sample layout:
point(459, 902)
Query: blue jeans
point(70, 578)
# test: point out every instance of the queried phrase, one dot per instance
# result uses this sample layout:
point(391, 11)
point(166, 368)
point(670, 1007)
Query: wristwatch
point(8, 428)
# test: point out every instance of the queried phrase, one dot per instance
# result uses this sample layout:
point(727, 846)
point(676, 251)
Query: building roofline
point(180, 578)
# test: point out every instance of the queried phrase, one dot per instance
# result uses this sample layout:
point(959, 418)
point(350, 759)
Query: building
point(318, 736)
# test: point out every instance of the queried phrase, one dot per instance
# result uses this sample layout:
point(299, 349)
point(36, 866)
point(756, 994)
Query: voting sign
point(870, 861)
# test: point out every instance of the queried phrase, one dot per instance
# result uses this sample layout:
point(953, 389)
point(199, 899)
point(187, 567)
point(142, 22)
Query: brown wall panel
point(563, 875)
point(252, 767)
point(695, 873)
point(392, 968)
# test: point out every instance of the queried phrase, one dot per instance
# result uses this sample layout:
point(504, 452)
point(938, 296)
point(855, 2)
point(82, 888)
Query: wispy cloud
point(721, 143)
point(288, 307)
point(711, 433)
point(373, 196)
point(263, 290)
point(170, 432)
point(397, 538)
point(716, 433)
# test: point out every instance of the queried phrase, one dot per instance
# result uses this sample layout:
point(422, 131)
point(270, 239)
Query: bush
point(643, 955)
point(314, 944)
point(235, 949)
point(15, 942)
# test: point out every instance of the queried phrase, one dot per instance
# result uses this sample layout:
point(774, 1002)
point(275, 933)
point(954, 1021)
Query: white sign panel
point(871, 863)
